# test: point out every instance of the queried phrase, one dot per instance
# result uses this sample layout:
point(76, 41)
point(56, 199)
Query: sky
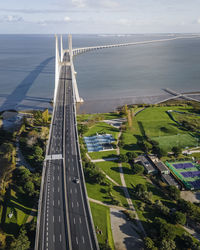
point(99, 16)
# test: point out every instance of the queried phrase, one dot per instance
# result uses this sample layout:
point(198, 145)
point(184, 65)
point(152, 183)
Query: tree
point(82, 129)
point(176, 151)
point(148, 242)
point(2, 240)
point(167, 244)
point(179, 218)
point(138, 169)
point(173, 192)
point(21, 242)
point(38, 154)
point(140, 189)
point(131, 156)
point(29, 188)
point(45, 116)
point(123, 158)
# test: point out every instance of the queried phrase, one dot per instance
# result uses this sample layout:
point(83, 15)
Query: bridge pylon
point(57, 68)
point(73, 72)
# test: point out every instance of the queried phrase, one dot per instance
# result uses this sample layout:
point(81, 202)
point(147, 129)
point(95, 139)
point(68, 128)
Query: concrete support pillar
point(74, 83)
point(61, 48)
point(57, 69)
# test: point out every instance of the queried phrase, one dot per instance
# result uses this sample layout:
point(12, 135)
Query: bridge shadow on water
point(19, 93)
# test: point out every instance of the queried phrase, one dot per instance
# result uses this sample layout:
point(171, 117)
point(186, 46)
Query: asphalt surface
point(65, 218)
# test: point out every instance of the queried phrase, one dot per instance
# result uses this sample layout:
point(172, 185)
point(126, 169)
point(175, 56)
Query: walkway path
point(109, 178)
point(126, 193)
point(20, 158)
point(124, 232)
point(105, 159)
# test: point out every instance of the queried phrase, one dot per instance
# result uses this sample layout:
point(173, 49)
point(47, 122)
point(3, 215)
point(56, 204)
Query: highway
point(65, 220)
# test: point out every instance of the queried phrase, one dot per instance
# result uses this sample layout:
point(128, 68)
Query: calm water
point(112, 75)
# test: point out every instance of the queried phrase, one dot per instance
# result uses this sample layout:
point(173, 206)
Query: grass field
point(103, 154)
point(100, 192)
point(111, 169)
point(13, 205)
point(101, 218)
point(155, 123)
point(178, 172)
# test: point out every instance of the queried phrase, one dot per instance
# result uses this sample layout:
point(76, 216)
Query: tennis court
point(187, 172)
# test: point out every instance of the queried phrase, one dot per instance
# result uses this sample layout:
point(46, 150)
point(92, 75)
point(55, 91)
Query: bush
point(179, 218)
point(138, 169)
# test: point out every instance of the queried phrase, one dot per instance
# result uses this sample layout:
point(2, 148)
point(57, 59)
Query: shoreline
point(110, 105)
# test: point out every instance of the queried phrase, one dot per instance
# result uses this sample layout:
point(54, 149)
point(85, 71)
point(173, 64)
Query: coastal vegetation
point(164, 215)
point(21, 157)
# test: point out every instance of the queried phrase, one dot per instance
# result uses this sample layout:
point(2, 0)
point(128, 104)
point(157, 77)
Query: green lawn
point(103, 154)
point(99, 192)
point(12, 205)
point(105, 116)
point(101, 218)
point(155, 123)
point(111, 169)
point(102, 127)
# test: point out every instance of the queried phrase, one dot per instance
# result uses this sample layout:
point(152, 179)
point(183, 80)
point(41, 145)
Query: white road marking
point(53, 189)
point(58, 202)
point(53, 178)
point(74, 220)
point(80, 220)
point(77, 240)
point(60, 237)
point(83, 239)
point(59, 218)
point(54, 238)
point(77, 204)
point(73, 168)
point(58, 189)
point(58, 177)
point(72, 204)
point(53, 202)
point(53, 218)
point(76, 190)
point(70, 191)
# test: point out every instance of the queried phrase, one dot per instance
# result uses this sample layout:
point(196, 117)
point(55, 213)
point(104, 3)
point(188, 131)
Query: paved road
point(65, 216)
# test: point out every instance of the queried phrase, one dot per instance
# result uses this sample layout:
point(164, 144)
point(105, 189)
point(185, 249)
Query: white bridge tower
point(58, 64)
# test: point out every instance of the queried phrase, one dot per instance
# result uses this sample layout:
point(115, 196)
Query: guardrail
point(81, 168)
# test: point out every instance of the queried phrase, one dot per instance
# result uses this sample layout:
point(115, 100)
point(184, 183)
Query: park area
point(188, 172)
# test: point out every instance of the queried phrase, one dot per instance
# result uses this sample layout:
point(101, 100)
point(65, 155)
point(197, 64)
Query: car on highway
point(76, 180)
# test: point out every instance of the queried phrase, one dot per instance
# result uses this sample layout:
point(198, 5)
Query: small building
point(148, 166)
point(161, 167)
point(169, 179)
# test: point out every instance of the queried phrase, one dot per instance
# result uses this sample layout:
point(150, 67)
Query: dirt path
point(126, 193)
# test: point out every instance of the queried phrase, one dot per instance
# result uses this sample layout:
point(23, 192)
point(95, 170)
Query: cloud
point(79, 3)
point(110, 4)
point(124, 21)
point(67, 19)
point(11, 19)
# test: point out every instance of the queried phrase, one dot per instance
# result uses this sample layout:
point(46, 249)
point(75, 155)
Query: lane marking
point(76, 190)
point(58, 189)
point(54, 238)
point(72, 204)
point(53, 218)
point(53, 189)
point(53, 202)
point(70, 191)
point(80, 220)
point(59, 218)
point(83, 239)
point(77, 204)
point(58, 177)
point(58, 202)
point(77, 240)
point(60, 237)
point(74, 220)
